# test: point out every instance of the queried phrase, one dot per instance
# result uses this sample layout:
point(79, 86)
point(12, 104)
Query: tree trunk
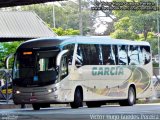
point(145, 33)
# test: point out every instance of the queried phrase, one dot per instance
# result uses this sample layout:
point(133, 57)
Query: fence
point(5, 85)
point(156, 71)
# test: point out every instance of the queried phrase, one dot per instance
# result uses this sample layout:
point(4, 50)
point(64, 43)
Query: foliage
point(123, 30)
point(153, 40)
point(138, 22)
point(123, 24)
point(150, 36)
point(144, 23)
point(155, 64)
point(66, 14)
point(137, 25)
point(61, 32)
point(154, 45)
point(6, 49)
point(121, 34)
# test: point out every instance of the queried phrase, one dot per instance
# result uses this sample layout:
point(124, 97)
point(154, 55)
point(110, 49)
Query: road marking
point(148, 104)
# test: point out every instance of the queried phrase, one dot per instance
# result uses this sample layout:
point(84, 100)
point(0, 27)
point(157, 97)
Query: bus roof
point(64, 40)
point(101, 40)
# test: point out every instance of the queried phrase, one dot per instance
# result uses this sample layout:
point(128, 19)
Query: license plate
point(32, 99)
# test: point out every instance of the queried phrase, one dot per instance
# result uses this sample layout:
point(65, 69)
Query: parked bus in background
point(91, 69)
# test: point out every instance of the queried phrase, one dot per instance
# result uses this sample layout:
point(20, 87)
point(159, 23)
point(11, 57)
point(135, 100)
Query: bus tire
point(93, 104)
point(23, 106)
point(131, 100)
point(78, 99)
point(36, 106)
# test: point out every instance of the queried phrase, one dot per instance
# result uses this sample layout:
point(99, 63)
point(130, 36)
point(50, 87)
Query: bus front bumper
point(36, 95)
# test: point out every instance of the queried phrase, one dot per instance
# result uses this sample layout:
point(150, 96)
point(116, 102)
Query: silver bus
point(77, 69)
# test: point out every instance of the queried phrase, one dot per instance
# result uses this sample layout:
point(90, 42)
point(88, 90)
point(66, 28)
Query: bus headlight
point(18, 92)
point(52, 90)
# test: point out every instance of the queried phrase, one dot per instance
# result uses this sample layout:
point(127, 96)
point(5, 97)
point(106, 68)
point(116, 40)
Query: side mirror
point(7, 60)
point(59, 57)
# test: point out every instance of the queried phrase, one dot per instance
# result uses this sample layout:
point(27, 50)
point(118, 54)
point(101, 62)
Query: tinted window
point(71, 51)
point(144, 55)
point(88, 55)
point(83, 54)
point(47, 64)
point(133, 55)
point(108, 55)
point(94, 55)
point(122, 55)
point(39, 71)
point(64, 67)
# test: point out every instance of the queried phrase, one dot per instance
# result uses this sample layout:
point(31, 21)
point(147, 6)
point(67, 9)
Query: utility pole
point(158, 35)
point(80, 17)
point(54, 19)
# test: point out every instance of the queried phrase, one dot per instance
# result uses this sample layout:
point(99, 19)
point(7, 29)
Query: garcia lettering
point(107, 71)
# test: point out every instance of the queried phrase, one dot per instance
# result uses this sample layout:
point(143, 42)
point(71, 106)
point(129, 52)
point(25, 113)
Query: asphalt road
point(111, 112)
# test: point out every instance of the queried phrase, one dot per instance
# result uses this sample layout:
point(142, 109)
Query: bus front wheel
point(131, 100)
point(36, 106)
point(78, 99)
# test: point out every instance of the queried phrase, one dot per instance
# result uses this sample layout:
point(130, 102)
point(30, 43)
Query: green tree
point(144, 23)
point(152, 39)
point(66, 15)
point(122, 34)
point(61, 32)
point(138, 21)
point(123, 29)
point(6, 49)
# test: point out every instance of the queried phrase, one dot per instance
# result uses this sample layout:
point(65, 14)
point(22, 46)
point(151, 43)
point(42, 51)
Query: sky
point(101, 28)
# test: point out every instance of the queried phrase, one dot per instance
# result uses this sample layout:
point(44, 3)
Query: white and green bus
point(77, 69)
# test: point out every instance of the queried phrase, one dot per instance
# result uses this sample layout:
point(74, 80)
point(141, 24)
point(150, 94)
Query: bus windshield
point(35, 68)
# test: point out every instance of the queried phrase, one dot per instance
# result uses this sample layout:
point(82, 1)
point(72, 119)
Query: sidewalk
point(9, 105)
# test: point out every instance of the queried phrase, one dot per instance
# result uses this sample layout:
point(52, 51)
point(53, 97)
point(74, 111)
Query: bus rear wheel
point(93, 104)
point(131, 100)
point(36, 106)
point(78, 99)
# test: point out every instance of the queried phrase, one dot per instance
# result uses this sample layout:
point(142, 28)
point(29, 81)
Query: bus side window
point(64, 67)
point(147, 54)
point(141, 55)
point(133, 55)
point(88, 54)
point(123, 55)
point(108, 57)
point(69, 47)
point(94, 55)
point(144, 55)
point(79, 56)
